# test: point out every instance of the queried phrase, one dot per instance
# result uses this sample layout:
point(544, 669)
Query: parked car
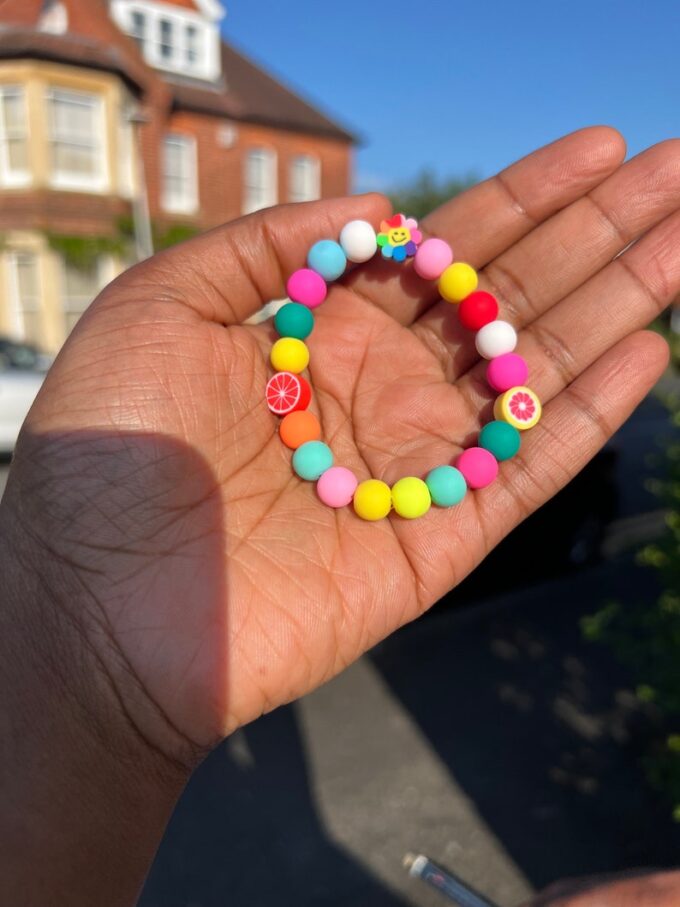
point(22, 370)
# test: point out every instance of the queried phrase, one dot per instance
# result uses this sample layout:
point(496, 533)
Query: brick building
point(124, 122)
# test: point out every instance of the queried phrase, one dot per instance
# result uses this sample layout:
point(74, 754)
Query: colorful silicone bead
point(306, 287)
point(336, 486)
point(479, 467)
point(457, 282)
point(519, 406)
point(358, 241)
point(327, 258)
point(501, 439)
point(446, 485)
point(312, 459)
point(372, 500)
point(294, 320)
point(299, 427)
point(287, 393)
point(506, 371)
point(477, 309)
point(496, 339)
point(432, 259)
point(411, 497)
point(289, 355)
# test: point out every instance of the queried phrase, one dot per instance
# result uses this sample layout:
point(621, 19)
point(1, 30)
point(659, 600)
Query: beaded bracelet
point(288, 394)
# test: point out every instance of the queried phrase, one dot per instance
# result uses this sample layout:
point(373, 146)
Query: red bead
point(477, 309)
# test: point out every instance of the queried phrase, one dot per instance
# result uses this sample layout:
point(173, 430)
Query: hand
point(659, 889)
point(209, 583)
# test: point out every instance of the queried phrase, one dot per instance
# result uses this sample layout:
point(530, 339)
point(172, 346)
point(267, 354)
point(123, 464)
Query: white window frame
point(17, 309)
point(9, 177)
point(311, 177)
point(73, 181)
point(188, 203)
point(256, 197)
point(208, 60)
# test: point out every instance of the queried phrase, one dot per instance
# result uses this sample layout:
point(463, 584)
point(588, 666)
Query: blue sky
point(462, 87)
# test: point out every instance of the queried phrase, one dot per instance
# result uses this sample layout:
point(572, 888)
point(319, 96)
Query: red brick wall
point(221, 170)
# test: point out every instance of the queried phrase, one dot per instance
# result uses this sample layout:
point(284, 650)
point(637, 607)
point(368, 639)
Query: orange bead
point(299, 427)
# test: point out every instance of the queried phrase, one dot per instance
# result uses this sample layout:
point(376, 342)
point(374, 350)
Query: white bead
point(496, 339)
point(358, 240)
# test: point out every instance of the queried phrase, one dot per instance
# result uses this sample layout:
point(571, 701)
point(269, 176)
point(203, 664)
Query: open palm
point(210, 581)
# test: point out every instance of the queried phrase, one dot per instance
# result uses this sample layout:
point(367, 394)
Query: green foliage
point(427, 192)
point(82, 252)
point(646, 637)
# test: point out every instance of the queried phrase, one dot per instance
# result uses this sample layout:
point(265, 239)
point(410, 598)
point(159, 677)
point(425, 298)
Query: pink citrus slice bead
point(479, 467)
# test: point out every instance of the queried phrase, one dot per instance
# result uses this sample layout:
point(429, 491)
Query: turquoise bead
point(446, 485)
point(501, 439)
point(294, 320)
point(312, 459)
point(327, 258)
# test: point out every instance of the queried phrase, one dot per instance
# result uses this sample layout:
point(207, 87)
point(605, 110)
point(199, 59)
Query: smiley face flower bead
point(399, 237)
point(288, 394)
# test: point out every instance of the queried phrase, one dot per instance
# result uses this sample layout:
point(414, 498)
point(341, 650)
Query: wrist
point(85, 793)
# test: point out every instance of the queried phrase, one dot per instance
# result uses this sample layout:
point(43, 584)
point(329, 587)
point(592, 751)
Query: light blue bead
point(312, 459)
point(446, 485)
point(327, 259)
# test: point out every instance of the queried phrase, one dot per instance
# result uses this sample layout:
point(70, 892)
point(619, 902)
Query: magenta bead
point(432, 259)
point(479, 467)
point(509, 370)
point(336, 486)
point(306, 287)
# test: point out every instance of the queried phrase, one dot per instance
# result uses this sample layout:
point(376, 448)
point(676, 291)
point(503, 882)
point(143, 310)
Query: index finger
point(484, 221)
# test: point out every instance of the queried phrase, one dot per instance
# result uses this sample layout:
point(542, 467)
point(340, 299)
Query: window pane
point(75, 135)
point(304, 178)
point(192, 43)
point(27, 280)
point(25, 296)
point(80, 286)
point(13, 136)
point(180, 177)
point(260, 179)
point(166, 39)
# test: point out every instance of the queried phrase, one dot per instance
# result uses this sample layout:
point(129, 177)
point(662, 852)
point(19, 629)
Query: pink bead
point(432, 259)
point(336, 486)
point(509, 370)
point(479, 467)
point(306, 287)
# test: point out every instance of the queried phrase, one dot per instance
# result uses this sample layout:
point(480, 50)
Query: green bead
point(294, 320)
point(312, 459)
point(446, 485)
point(501, 439)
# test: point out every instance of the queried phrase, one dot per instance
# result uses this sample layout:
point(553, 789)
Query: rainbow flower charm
point(399, 237)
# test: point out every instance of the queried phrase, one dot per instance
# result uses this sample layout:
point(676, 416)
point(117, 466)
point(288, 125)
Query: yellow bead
point(457, 282)
point(289, 355)
point(372, 500)
point(519, 407)
point(411, 497)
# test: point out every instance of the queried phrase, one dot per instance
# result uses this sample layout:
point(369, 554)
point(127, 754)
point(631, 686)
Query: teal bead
point(501, 439)
point(446, 485)
point(294, 320)
point(312, 459)
point(327, 258)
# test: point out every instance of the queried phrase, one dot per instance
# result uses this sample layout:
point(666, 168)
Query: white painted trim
point(314, 178)
point(270, 189)
point(16, 310)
